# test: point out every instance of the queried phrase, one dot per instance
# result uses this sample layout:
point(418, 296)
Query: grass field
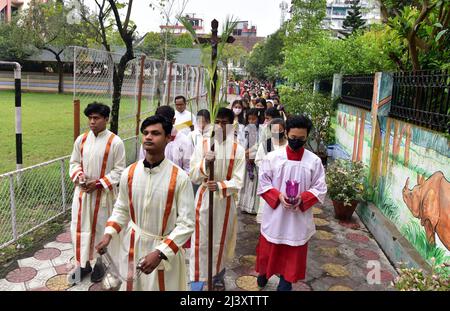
point(47, 125)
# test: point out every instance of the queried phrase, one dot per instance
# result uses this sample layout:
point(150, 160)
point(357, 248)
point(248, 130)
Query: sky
point(264, 14)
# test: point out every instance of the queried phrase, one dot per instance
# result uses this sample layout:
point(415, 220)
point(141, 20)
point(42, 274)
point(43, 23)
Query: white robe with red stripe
point(162, 205)
point(101, 157)
point(229, 169)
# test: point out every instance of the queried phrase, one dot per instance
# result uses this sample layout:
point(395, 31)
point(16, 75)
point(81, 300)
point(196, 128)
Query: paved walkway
point(338, 259)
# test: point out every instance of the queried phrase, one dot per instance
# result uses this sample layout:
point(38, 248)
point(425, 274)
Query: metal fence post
point(13, 207)
point(63, 185)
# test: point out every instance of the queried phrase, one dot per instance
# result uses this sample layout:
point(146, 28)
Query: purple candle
point(292, 190)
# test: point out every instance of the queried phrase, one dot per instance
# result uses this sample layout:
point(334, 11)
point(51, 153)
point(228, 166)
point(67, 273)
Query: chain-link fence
point(34, 196)
point(31, 197)
point(162, 82)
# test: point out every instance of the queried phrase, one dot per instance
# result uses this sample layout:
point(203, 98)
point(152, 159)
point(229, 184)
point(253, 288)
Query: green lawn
point(47, 125)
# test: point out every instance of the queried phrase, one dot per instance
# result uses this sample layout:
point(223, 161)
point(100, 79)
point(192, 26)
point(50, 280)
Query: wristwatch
point(162, 256)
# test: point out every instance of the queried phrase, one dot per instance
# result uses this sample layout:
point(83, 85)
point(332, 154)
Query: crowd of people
point(146, 215)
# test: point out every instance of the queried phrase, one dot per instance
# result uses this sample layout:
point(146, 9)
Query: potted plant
point(345, 181)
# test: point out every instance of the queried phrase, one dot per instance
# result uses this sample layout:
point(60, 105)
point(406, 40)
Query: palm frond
point(212, 67)
point(189, 27)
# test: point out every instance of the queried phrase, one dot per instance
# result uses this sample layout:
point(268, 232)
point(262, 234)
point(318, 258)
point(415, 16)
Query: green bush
point(412, 279)
point(317, 107)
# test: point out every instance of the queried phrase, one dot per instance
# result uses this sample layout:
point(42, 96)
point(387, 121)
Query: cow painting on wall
point(429, 201)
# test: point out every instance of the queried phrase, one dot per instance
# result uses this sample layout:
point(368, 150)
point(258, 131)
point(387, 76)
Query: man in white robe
point(185, 120)
point(155, 209)
point(179, 150)
point(229, 169)
point(202, 130)
point(97, 161)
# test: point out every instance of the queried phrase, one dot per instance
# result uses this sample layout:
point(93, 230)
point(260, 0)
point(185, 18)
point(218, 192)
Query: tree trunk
point(413, 52)
point(118, 75)
point(60, 66)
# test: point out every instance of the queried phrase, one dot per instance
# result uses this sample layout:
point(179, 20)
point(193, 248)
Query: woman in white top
point(239, 121)
point(278, 140)
point(248, 200)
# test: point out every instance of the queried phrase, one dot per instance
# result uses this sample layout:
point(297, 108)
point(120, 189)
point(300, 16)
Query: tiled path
point(338, 258)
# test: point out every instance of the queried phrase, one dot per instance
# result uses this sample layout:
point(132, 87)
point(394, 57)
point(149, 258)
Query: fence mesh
point(162, 81)
point(33, 196)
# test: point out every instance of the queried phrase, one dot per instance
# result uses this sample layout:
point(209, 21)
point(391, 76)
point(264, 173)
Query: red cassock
point(286, 260)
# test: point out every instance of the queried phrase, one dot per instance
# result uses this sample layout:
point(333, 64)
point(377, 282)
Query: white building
point(337, 10)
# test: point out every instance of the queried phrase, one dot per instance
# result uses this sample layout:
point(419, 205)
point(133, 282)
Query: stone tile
point(47, 254)
point(350, 224)
point(356, 237)
point(21, 275)
point(59, 245)
point(301, 287)
point(325, 283)
point(340, 288)
point(335, 270)
point(64, 258)
point(41, 278)
point(64, 237)
point(58, 283)
point(366, 254)
point(35, 263)
point(8, 286)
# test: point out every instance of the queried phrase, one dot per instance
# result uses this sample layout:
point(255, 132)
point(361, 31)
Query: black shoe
point(79, 274)
point(283, 285)
point(262, 281)
point(98, 273)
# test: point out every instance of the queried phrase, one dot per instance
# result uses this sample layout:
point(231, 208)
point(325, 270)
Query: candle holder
point(292, 191)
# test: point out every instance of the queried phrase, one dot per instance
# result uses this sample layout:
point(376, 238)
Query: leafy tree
point(423, 27)
point(108, 17)
point(14, 41)
point(266, 59)
point(353, 21)
point(49, 30)
point(183, 41)
point(306, 21)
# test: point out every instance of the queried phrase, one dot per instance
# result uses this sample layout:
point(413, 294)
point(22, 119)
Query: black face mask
point(296, 144)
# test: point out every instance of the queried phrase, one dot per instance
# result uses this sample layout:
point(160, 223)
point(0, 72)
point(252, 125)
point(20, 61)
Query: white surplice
point(281, 226)
point(97, 157)
point(183, 120)
point(229, 168)
point(161, 217)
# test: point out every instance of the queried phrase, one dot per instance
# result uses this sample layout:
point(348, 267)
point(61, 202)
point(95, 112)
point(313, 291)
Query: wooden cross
point(214, 41)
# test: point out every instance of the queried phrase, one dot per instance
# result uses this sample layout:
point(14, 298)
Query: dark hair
point(262, 101)
point(205, 114)
point(254, 112)
point(300, 122)
point(99, 108)
point(178, 97)
point(241, 119)
point(278, 121)
point(166, 125)
point(226, 113)
point(273, 112)
point(166, 111)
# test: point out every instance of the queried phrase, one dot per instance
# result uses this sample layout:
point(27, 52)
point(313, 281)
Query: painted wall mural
point(412, 179)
